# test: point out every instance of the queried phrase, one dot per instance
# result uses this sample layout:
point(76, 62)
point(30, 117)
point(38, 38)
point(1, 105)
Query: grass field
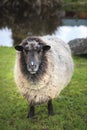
point(70, 107)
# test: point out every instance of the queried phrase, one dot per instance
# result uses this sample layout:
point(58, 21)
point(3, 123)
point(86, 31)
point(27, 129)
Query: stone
point(78, 46)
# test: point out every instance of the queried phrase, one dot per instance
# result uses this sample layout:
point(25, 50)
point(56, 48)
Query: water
point(73, 22)
point(15, 26)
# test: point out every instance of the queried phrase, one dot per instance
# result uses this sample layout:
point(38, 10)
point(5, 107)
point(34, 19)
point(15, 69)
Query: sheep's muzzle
point(32, 67)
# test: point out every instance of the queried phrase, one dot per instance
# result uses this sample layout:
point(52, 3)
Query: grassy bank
point(71, 5)
point(70, 107)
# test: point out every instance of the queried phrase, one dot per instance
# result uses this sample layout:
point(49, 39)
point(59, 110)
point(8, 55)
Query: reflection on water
point(16, 25)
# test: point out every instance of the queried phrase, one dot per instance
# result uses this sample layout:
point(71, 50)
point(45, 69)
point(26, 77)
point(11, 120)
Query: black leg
point(50, 108)
point(31, 112)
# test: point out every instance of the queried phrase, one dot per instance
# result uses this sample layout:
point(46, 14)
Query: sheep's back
point(60, 65)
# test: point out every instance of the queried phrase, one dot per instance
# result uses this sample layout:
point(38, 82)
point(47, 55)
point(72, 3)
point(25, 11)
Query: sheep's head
point(33, 53)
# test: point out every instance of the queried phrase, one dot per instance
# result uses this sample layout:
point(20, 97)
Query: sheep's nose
point(32, 65)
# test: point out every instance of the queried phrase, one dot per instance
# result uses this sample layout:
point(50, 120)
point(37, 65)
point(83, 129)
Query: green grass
point(70, 107)
point(71, 5)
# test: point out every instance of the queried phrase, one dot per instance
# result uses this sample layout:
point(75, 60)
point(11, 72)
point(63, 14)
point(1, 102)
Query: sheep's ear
point(46, 47)
point(19, 48)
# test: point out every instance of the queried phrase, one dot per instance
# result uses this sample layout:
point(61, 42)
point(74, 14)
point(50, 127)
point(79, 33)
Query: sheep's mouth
point(32, 72)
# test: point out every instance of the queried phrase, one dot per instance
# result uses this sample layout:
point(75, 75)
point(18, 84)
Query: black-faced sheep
point(43, 68)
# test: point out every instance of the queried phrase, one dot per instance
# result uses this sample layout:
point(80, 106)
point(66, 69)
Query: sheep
point(43, 67)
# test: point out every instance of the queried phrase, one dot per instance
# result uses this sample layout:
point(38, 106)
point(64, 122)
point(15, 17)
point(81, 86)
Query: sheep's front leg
point(50, 108)
point(31, 112)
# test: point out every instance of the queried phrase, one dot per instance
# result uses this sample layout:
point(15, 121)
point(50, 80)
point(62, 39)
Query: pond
point(17, 25)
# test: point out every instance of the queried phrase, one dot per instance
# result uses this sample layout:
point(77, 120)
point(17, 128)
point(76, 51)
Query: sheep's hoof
point(50, 113)
point(31, 112)
point(30, 115)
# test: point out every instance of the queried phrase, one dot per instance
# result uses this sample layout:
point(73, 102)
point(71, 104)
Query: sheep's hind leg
point(50, 108)
point(31, 112)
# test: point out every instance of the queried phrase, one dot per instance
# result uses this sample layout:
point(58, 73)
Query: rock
point(78, 46)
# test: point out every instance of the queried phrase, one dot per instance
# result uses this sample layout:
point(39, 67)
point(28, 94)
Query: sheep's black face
point(33, 58)
point(33, 53)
